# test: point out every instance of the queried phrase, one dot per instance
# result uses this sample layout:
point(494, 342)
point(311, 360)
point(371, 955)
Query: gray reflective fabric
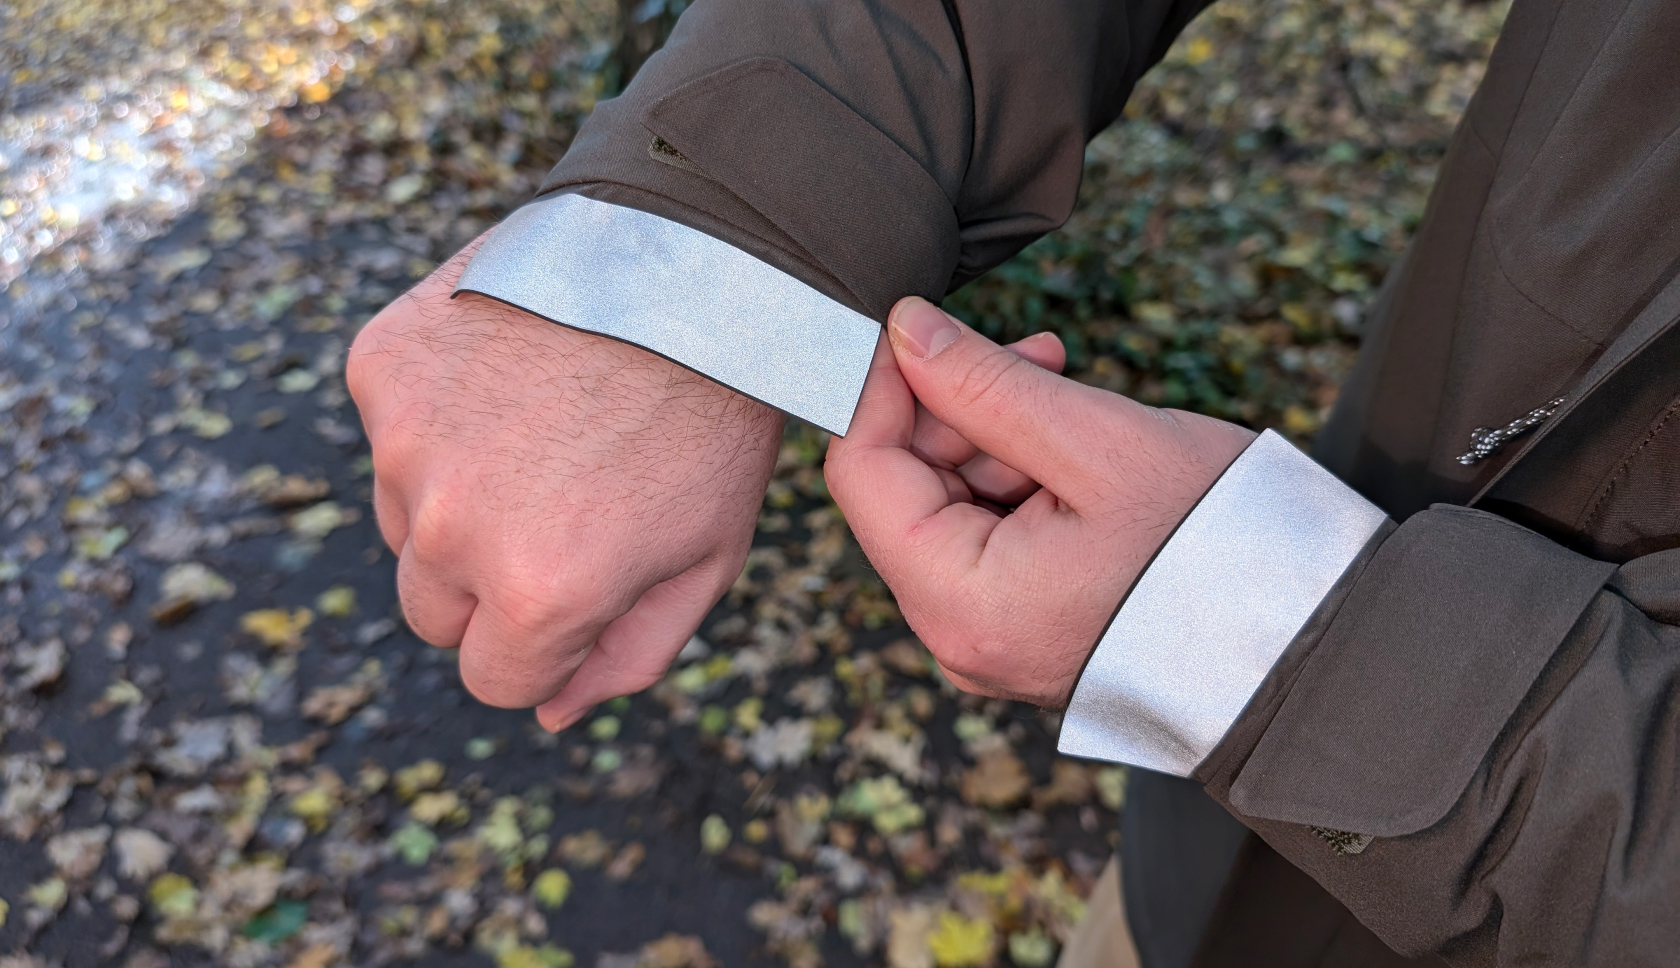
point(1220, 602)
point(661, 285)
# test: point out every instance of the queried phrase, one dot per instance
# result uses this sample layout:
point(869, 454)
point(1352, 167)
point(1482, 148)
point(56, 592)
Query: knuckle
point(417, 616)
point(363, 361)
point(640, 681)
point(433, 529)
point(390, 460)
point(495, 681)
point(526, 612)
point(535, 606)
point(981, 384)
point(952, 651)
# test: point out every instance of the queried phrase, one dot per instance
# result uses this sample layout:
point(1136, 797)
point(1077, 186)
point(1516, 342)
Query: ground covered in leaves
point(219, 744)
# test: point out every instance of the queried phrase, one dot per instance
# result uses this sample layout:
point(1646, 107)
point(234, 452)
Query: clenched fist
point(565, 507)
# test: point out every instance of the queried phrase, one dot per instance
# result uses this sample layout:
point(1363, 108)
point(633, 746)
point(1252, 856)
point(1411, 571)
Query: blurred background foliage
point(1235, 225)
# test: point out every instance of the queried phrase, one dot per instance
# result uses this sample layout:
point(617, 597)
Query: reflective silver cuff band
point(1221, 601)
point(677, 291)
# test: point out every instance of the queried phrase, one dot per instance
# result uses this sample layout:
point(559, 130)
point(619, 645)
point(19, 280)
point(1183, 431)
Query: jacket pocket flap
point(859, 204)
point(1436, 646)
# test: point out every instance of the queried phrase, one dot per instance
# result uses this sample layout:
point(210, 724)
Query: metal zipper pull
point(1486, 441)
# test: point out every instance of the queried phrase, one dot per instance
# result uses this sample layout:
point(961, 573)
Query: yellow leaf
point(174, 896)
point(422, 776)
point(337, 601)
point(714, 834)
point(435, 808)
point(959, 942)
point(277, 628)
point(552, 887)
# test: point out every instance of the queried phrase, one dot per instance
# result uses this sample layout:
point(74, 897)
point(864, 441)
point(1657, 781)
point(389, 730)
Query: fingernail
point(924, 329)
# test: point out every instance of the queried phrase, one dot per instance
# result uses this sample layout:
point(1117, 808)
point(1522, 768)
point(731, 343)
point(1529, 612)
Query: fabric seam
point(1608, 485)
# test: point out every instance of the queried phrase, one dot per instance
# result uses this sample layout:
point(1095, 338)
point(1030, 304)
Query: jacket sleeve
point(832, 157)
point(1475, 746)
point(1470, 736)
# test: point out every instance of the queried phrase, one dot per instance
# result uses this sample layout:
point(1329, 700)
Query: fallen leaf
point(585, 850)
point(412, 780)
point(1032, 949)
point(1070, 784)
point(314, 956)
point(414, 843)
point(714, 834)
point(552, 887)
point(276, 627)
point(173, 896)
point(278, 923)
point(622, 866)
point(140, 853)
point(908, 930)
point(334, 704)
point(1111, 786)
point(997, 780)
point(49, 894)
point(316, 522)
point(676, 951)
point(960, 942)
point(909, 657)
point(540, 956)
point(41, 664)
point(432, 809)
point(336, 602)
point(77, 853)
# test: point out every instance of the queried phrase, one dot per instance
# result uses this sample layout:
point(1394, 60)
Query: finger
point(435, 610)
point(875, 453)
point(1030, 419)
point(898, 507)
point(956, 489)
point(391, 512)
point(517, 651)
point(938, 444)
point(634, 651)
point(990, 479)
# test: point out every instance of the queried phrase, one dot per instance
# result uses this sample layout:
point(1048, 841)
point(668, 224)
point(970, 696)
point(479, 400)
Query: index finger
point(896, 505)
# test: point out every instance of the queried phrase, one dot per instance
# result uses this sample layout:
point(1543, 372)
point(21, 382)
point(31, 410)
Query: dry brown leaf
point(315, 956)
point(1070, 783)
point(676, 951)
point(334, 704)
point(997, 780)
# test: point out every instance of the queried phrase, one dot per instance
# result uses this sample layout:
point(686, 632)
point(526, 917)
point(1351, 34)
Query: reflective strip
point(677, 291)
point(1221, 601)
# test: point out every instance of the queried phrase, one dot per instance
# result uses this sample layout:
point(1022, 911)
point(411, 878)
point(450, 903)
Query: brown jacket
point(1475, 744)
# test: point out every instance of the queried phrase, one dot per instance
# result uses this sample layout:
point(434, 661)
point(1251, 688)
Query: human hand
point(565, 507)
point(1011, 604)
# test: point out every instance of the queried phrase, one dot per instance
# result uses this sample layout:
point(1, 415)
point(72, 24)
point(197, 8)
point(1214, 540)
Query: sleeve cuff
point(1209, 617)
point(693, 299)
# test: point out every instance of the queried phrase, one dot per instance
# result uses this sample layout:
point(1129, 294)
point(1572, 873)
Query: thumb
point(1029, 418)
